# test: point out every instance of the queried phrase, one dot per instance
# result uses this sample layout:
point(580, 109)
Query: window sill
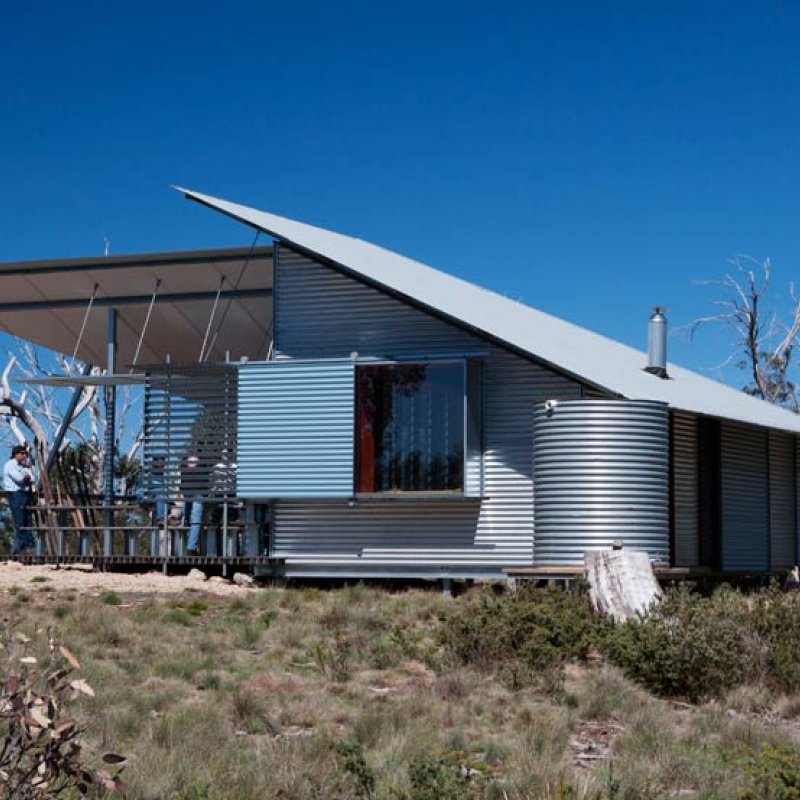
point(418, 497)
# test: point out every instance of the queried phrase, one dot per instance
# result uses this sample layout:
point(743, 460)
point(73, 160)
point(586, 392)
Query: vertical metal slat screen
point(190, 430)
point(745, 498)
point(685, 488)
point(782, 500)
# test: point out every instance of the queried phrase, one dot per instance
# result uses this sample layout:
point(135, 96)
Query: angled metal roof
point(47, 302)
point(577, 351)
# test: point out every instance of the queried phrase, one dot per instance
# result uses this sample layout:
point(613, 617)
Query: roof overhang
point(173, 302)
point(575, 351)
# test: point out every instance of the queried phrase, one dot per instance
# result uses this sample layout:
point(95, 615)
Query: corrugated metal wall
point(797, 497)
point(473, 468)
point(745, 498)
point(322, 312)
point(685, 489)
point(592, 393)
point(296, 435)
point(782, 500)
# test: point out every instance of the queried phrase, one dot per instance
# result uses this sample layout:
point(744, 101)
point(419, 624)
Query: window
point(410, 427)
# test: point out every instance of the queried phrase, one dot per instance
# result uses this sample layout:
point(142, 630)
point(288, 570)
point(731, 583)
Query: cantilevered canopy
point(221, 297)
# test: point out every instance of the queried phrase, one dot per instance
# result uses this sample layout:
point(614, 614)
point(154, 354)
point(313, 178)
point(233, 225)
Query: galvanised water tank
point(600, 474)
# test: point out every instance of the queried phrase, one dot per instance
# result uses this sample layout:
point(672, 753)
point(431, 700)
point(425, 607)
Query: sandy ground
point(82, 579)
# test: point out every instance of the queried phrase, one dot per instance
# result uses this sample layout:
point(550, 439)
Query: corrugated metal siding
point(377, 532)
point(782, 499)
point(685, 489)
point(601, 473)
point(321, 311)
point(513, 388)
point(745, 498)
point(296, 432)
point(473, 468)
point(592, 393)
point(797, 496)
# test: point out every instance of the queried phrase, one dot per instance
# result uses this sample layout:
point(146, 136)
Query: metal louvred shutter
point(685, 488)
point(782, 500)
point(745, 498)
point(296, 429)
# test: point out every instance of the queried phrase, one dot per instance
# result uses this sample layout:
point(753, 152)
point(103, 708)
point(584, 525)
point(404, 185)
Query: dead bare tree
point(33, 417)
point(763, 341)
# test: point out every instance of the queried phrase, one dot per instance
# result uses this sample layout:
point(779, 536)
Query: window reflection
point(410, 427)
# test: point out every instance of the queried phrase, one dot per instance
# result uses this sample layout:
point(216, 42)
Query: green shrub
point(111, 599)
point(195, 608)
point(269, 616)
point(450, 776)
point(695, 647)
point(389, 649)
point(351, 760)
point(248, 634)
point(521, 634)
point(178, 616)
point(332, 658)
point(775, 623)
point(686, 645)
point(773, 773)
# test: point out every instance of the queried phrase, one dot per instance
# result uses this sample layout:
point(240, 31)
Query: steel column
point(110, 398)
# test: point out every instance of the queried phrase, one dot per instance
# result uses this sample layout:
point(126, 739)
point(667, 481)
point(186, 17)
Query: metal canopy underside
point(45, 302)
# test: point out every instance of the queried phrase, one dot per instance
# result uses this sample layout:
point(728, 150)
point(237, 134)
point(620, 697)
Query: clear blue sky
point(591, 159)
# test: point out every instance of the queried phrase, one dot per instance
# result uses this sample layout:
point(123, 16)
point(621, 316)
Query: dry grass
point(302, 693)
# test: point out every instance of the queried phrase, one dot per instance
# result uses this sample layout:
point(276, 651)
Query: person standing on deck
point(18, 485)
point(194, 484)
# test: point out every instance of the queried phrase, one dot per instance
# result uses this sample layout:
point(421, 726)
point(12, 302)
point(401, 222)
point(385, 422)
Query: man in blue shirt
point(18, 485)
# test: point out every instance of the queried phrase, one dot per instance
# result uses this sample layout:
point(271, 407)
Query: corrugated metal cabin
point(394, 420)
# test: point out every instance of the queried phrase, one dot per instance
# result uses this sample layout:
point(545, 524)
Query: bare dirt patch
point(592, 741)
point(83, 580)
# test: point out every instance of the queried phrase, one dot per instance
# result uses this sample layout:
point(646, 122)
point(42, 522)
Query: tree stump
point(621, 582)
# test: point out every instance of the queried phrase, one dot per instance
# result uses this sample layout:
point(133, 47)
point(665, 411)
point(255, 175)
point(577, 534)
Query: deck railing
point(80, 533)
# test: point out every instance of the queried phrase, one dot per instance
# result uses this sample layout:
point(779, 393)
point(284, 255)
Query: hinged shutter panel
point(296, 429)
point(745, 498)
point(782, 500)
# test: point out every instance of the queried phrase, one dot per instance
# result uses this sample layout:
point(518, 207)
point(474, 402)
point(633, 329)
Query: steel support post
point(110, 398)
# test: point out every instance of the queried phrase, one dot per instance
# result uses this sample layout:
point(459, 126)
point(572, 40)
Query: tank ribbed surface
point(601, 472)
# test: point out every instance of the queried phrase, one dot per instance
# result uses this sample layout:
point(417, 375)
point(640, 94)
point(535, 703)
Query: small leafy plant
point(41, 754)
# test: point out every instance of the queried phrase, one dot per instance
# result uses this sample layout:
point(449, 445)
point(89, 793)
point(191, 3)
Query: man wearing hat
point(18, 485)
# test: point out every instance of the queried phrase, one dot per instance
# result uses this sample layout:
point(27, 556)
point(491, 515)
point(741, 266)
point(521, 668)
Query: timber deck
point(663, 574)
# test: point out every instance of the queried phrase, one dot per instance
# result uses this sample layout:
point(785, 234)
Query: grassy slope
point(299, 693)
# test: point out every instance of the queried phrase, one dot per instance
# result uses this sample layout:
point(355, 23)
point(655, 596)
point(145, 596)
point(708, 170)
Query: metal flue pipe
point(657, 343)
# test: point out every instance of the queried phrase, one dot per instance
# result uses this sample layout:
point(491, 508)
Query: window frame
point(416, 494)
